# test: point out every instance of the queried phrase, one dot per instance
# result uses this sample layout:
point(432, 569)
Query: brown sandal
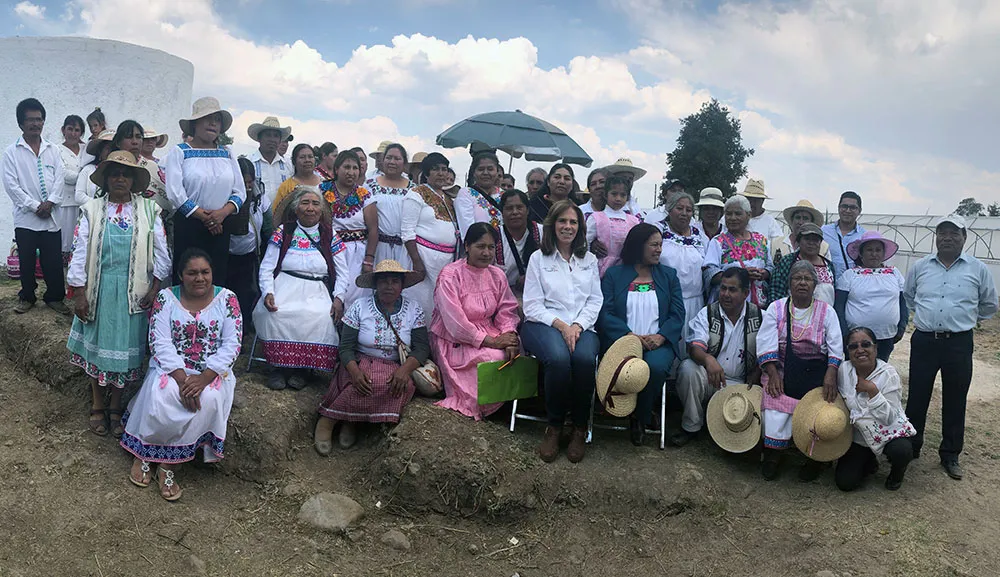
point(99, 426)
point(168, 481)
point(115, 425)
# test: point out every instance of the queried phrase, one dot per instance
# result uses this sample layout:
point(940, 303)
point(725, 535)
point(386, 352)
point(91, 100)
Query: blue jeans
point(568, 377)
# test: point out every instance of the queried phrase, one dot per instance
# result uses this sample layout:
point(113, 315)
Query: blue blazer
point(612, 322)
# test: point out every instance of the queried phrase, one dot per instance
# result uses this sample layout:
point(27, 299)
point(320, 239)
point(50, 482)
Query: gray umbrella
point(516, 133)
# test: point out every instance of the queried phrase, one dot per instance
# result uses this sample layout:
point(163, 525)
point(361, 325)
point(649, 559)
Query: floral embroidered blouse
point(207, 339)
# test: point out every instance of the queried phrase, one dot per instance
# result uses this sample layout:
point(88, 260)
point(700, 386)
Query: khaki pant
point(695, 392)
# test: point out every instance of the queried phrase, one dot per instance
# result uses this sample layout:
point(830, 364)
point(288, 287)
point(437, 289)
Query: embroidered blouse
point(120, 216)
point(375, 337)
point(207, 339)
point(873, 299)
point(428, 215)
point(347, 211)
point(205, 178)
point(389, 201)
point(304, 258)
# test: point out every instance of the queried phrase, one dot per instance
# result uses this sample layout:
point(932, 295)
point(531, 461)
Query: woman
point(151, 140)
point(373, 383)
point(795, 216)
point(644, 297)
point(710, 208)
point(478, 202)
point(304, 164)
point(808, 238)
point(562, 298)
point(534, 180)
point(558, 186)
point(129, 137)
point(387, 192)
point(304, 281)
point(873, 393)
point(119, 260)
point(741, 247)
point(871, 295)
point(475, 321)
point(96, 122)
point(97, 151)
point(72, 152)
point(521, 235)
point(362, 162)
point(195, 333)
point(354, 220)
point(789, 372)
point(251, 228)
point(684, 251)
point(595, 186)
point(429, 230)
point(325, 160)
point(205, 186)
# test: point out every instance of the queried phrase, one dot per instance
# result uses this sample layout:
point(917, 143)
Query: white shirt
point(85, 189)
point(872, 299)
point(66, 179)
point(557, 289)
point(205, 178)
point(768, 226)
point(31, 180)
point(375, 337)
point(270, 175)
point(731, 353)
point(471, 208)
point(950, 299)
point(303, 257)
point(509, 262)
point(250, 242)
point(389, 202)
point(76, 274)
point(421, 219)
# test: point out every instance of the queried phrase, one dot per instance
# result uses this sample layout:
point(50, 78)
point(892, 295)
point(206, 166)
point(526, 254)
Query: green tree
point(993, 209)
point(709, 152)
point(969, 207)
point(225, 139)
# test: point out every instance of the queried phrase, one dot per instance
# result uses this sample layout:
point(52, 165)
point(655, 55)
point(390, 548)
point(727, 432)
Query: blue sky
point(891, 99)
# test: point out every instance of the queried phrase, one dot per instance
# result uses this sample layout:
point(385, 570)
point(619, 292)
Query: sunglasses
point(862, 344)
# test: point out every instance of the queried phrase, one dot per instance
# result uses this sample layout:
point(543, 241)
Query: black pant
point(885, 348)
point(191, 232)
point(49, 247)
point(242, 280)
point(953, 357)
point(859, 461)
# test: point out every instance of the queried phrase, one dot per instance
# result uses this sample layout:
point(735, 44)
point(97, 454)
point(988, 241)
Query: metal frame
point(250, 357)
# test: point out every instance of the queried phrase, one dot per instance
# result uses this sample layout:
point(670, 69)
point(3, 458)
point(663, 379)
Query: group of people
point(397, 281)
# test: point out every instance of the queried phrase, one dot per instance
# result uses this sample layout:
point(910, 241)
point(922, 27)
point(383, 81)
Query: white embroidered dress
point(389, 201)
point(429, 220)
point(68, 210)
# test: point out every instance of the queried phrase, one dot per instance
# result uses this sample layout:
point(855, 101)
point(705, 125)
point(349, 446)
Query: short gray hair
point(296, 196)
point(800, 266)
point(527, 177)
point(738, 200)
point(676, 197)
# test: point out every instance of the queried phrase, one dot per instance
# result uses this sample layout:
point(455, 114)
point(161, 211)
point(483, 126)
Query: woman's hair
point(74, 119)
point(544, 190)
point(296, 197)
point(247, 168)
point(98, 116)
point(579, 245)
point(800, 266)
point(511, 193)
point(325, 149)
point(477, 231)
point(104, 188)
point(613, 181)
point(399, 147)
point(635, 242)
point(100, 149)
point(430, 161)
point(478, 159)
point(343, 157)
point(125, 130)
point(738, 200)
point(594, 173)
point(866, 330)
point(299, 148)
point(356, 150)
point(191, 254)
point(675, 198)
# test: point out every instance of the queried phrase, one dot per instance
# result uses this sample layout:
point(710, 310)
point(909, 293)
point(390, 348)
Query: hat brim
point(711, 202)
point(367, 280)
point(727, 439)
point(817, 216)
point(632, 378)
point(187, 124)
point(854, 248)
point(139, 183)
point(94, 145)
point(255, 129)
point(802, 419)
point(636, 172)
point(162, 140)
point(755, 195)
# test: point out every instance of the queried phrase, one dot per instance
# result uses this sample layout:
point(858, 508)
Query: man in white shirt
point(760, 221)
point(271, 168)
point(29, 172)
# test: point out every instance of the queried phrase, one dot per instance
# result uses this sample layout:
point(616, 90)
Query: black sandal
point(116, 429)
point(99, 426)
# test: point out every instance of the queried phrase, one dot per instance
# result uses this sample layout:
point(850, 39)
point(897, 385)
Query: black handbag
point(800, 375)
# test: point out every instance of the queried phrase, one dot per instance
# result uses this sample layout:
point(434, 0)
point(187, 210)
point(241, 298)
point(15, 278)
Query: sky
point(890, 98)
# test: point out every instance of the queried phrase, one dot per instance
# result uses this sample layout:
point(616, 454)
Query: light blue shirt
point(838, 245)
point(949, 299)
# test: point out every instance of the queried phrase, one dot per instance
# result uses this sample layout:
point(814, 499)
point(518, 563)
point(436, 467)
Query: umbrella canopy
point(516, 133)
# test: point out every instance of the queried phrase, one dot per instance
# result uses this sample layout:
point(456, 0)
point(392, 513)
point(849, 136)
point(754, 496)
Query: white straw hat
point(621, 375)
point(270, 123)
point(733, 417)
point(625, 165)
point(755, 189)
point(205, 106)
point(822, 430)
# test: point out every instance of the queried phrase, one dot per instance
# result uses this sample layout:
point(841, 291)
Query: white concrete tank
point(73, 75)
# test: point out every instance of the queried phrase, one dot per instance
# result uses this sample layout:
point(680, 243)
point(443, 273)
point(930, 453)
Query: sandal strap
point(168, 480)
point(98, 411)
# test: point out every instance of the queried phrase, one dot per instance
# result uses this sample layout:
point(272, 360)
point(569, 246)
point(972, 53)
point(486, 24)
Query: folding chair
point(514, 415)
point(663, 420)
point(250, 357)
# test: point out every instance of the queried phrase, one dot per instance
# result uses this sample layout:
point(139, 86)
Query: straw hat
point(205, 106)
point(140, 180)
point(621, 374)
point(381, 149)
point(854, 248)
point(755, 189)
point(807, 206)
point(822, 430)
point(625, 165)
point(270, 123)
point(733, 417)
point(418, 158)
point(711, 196)
point(95, 143)
point(367, 280)
point(161, 138)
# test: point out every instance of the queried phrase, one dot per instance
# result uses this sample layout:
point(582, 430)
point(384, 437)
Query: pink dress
point(612, 232)
point(470, 304)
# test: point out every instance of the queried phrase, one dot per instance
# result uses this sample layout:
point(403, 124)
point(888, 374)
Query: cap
point(810, 228)
point(954, 219)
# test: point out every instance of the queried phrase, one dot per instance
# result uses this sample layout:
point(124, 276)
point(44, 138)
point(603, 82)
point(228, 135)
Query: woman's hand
point(511, 353)
point(269, 303)
point(597, 247)
point(399, 380)
point(830, 391)
point(366, 267)
point(80, 305)
point(502, 341)
point(336, 310)
point(147, 301)
point(359, 379)
point(775, 385)
point(755, 273)
point(866, 386)
point(653, 342)
point(571, 334)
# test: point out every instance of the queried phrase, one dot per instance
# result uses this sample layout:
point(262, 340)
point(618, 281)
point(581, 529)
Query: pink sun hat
point(854, 249)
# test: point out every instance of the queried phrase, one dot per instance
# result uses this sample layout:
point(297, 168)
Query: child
point(611, 225)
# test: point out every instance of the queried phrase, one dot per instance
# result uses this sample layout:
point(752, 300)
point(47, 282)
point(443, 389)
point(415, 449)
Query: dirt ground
point(471, 497)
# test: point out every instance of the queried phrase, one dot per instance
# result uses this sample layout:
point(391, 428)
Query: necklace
point(807, 313)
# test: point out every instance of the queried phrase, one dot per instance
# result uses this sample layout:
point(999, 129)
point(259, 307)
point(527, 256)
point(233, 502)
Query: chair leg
point(253, 350)
point(590, 421)
point(663, 416)
point(513, 416)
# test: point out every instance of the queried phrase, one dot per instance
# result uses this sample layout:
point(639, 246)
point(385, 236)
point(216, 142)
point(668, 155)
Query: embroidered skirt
point(343, 402)
point(300, 334)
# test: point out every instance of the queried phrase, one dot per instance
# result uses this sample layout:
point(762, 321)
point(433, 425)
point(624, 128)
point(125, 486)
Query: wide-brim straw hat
point(140, 182)
point(854, 248)
point(711, 196)
point(270, 123)
point(205, 106)
point(161, 138)
point(625, 165)
point(754, 189)
point(621, 375)
point(822, 431)
point(734, 417)
point(367, 280)
point(96, 142)
point(418, 158)
point(807, 206)
point(381, 148)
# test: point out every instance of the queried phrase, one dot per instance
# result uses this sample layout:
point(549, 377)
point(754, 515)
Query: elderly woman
point(129, 137)
point(151, 140)
point(799, 348)
point(479, 201)
point(475, 321)
point(683, 250)
point(562, 299)
point(809, 239)
point(303, 278)
point(195, 333)
point(871, 295)
point(534, 181)
point(795, 216)
point(872, 390)
point(304, 165)
point(595, 186)
point(521, 235)
point(205, 186)
point(558, 187)
point(741, 247)
point(119, 259)
point(72, 152)
point(643, 297)
point(429, 230)
point(387, 192)
point(373, 383)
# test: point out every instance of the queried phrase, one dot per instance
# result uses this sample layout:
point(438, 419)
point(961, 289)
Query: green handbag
point(499, 383)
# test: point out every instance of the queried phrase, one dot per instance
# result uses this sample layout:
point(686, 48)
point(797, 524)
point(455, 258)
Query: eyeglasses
point(862, 344)
point(850, 207)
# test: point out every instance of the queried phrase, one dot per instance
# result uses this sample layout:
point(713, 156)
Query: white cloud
point(26, 9)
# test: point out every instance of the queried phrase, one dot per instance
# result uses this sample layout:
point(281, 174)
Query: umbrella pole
point(510, 165)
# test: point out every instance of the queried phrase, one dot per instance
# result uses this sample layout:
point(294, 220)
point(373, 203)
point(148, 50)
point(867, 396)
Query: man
point(507, 182)
point(674, 186)
point(949, 293)
point(535, 179)
point(841, 233)
point(722, 344)
point(270, 166)
point(624, 168)
point(795, 216)
point(283, 147)
point(29, 169)
point(377, 157)
point(760, 221)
